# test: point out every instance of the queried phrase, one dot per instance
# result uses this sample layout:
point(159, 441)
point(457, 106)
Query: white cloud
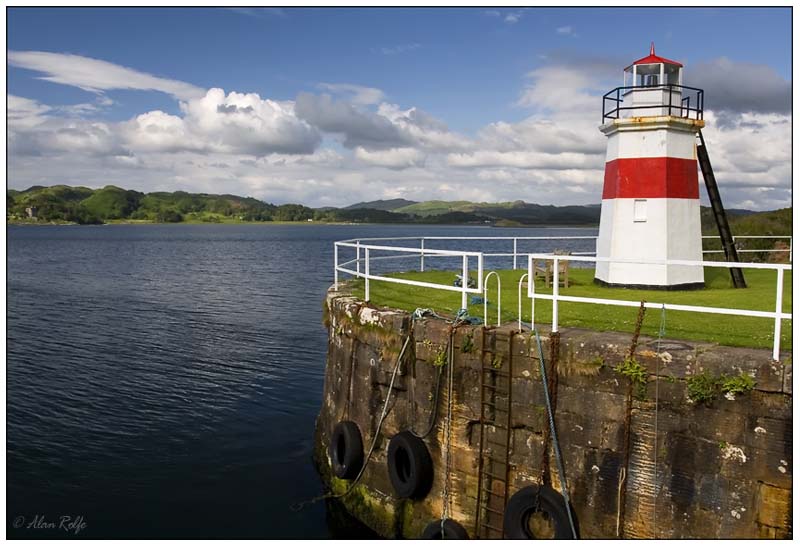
point(513, 17)
point(567, 30)
point(157, 131)
point(357, 94)
point(24, 113)
point(246, 123)
point(393, 158)
point(97, 76)
point(287, 151)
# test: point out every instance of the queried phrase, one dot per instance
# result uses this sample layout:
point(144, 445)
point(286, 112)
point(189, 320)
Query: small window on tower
point(640, 210)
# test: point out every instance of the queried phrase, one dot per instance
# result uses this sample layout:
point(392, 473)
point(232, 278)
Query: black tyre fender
point(452, 530)
point(410, 466)
point(346, 450)
point(536, 499)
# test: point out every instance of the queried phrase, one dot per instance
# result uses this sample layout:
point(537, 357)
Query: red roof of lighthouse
point(653, 58)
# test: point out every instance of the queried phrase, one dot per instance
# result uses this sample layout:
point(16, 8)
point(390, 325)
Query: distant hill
point(382, 204)
point(94, 206)
point(83, 205)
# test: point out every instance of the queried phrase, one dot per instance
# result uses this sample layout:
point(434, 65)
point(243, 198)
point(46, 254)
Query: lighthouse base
point(680, 287)
point(636, 234)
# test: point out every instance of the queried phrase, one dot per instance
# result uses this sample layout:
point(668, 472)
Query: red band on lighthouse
point(651, 178)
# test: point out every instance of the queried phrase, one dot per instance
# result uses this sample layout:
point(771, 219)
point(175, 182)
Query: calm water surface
point(163, 381)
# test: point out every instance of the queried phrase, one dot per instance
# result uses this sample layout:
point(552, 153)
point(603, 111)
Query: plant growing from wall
point(467, 345)
point(702, 388)
point(497, 362)
point(737, 385)
point(441, 357)
point(636, 373)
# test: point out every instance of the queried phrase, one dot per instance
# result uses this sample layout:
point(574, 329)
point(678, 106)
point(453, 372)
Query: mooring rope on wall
point(448, 429)
point(384, 413)
point(434, 410)
point(562, 476)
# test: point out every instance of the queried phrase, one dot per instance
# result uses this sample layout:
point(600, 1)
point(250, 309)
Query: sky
point(330, 106)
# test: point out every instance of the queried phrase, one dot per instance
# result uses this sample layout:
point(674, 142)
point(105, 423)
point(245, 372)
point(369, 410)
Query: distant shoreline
point(297, 223)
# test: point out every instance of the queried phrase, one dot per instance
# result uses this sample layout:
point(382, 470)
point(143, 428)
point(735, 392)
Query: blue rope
point(559, 460)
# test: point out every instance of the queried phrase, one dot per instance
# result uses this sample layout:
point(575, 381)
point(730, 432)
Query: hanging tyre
point(346, 450)
point(410, 466)
point(537, 512)
point(452, 530)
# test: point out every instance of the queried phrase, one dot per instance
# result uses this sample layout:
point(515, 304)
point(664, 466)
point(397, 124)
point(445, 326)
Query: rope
point(434, 412)
point(661, 332)
point(619, 496)
point(384, 413)
point(559, 460)
point(350, 379)
point(448, 429)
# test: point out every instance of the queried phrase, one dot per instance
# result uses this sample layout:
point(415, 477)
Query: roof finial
point(652, 48)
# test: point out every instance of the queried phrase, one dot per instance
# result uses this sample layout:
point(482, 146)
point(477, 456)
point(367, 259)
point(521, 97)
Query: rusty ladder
point(495, 434)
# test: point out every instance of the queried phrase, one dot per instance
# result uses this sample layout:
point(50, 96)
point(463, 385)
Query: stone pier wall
point(721, 468)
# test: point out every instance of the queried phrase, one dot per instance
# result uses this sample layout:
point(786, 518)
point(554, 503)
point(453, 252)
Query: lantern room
point(653, 71)
point(652, 86)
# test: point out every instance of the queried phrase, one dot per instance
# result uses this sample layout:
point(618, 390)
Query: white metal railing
point(514, 253)
point(360, 267)
point(486, 298)
point(464, 289)
point(741, 251)
point(555, 297)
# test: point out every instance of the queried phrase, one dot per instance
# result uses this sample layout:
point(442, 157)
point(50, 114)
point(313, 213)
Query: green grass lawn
point(723, 329)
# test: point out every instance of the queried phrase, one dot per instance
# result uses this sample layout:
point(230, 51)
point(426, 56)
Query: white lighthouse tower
point(651, 201)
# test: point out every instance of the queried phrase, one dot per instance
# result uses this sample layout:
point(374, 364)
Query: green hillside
point(382, 204)
point(767, 223)
point(81, 205)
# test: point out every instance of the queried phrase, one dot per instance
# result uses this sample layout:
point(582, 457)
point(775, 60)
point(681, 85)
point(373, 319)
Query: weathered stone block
point(773, 508)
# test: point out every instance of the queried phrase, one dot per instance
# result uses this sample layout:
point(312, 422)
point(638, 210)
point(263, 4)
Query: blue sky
point(489, 78)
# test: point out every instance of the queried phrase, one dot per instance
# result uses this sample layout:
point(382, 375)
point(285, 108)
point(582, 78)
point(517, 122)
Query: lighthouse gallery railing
point(691, 105)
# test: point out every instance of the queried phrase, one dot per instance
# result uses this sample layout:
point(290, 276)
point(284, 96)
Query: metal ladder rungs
point(495, 477)
point(490, 527)
point(493, 493)
point(495, 511)
point(496, 391)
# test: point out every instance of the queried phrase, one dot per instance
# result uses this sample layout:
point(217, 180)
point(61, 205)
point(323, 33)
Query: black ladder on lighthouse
point(495, 434)
point(720, 218)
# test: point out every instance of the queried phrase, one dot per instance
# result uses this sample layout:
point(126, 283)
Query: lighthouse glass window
point(640, 210)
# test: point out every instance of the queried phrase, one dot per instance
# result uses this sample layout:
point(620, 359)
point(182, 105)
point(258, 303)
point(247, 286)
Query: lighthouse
point(650, 209)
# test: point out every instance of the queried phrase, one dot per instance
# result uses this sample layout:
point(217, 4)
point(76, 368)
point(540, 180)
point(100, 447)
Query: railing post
point(464, 281)
point(366, 274)
point(555, 295)
point(480, 271)
point(790, 249)
point(776, 344)
point(358, 258)
point(335, 266)
point(422, 254)
point(515, 253)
